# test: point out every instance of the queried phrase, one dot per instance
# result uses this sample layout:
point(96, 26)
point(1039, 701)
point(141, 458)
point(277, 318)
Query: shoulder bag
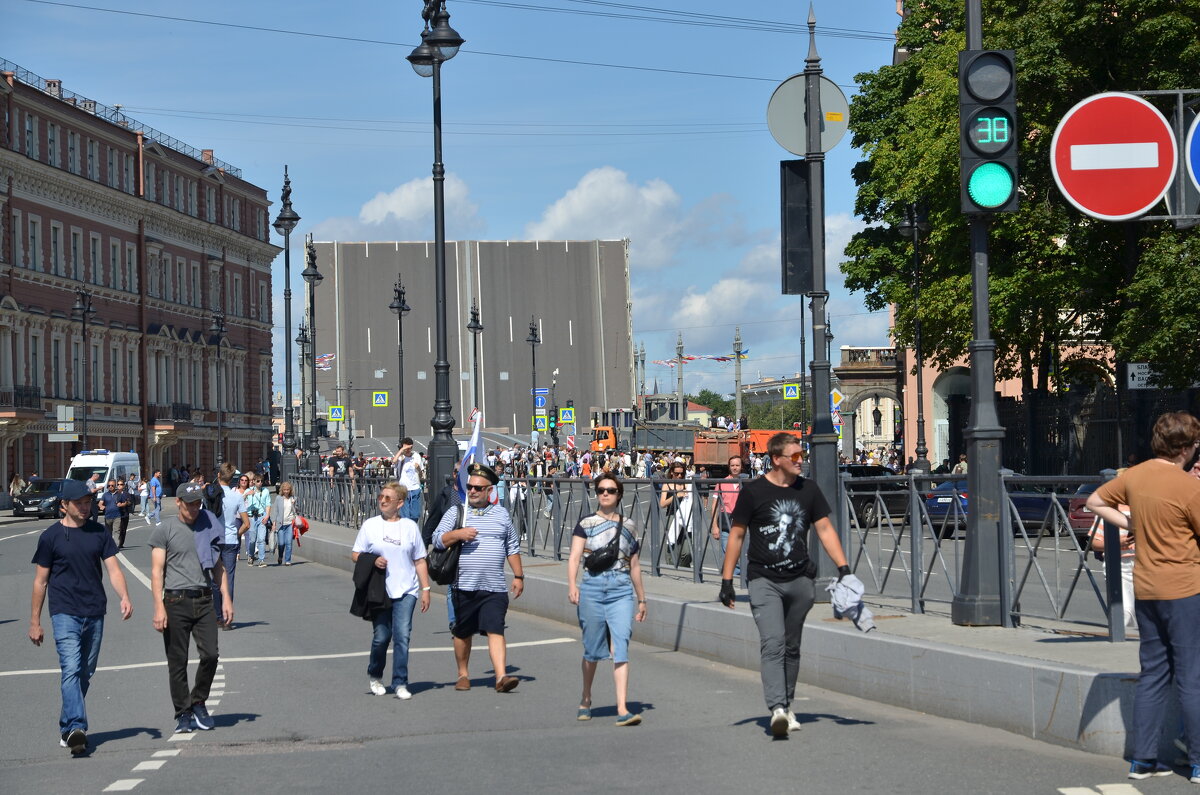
point(604, 558)
point(443, 563)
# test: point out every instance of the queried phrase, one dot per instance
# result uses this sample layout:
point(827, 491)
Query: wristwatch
point(518, 576)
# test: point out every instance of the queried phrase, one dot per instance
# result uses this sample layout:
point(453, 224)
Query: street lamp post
point(914, 225)
point(534, 340)
point(439, 43)
point(217, 332)
point(83, 312)
point(302, 346)
point(312, 278)
point(285, 222)
point(476, 328)
point(401, 308)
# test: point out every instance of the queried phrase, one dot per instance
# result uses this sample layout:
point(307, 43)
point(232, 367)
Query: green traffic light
point(990, 185)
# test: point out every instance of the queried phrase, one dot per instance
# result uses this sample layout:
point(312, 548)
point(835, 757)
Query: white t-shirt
point(400, 543)
point(408, 472)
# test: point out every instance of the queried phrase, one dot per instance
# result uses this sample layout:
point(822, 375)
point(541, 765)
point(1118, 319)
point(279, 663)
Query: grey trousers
point(779, 610)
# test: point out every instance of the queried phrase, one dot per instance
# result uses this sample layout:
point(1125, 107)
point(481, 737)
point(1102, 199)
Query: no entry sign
point(1114, 156)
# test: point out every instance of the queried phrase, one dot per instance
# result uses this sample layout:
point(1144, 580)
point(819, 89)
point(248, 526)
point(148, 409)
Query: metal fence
point(904, 537)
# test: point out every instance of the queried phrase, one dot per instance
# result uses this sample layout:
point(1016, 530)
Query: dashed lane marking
point(180, 738)
point(142, 578)
point(123, 785)
point(154, 764)
point(1103, 789)
point(18, 535)
point(168, 752)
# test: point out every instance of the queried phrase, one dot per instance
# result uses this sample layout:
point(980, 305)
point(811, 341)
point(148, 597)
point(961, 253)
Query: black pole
point(921, 462)
point(533, 339)
point(824, 438)
point(83, 307)
point(218, 332)
point(285, 222)
point(312, 276)
point(476, 328)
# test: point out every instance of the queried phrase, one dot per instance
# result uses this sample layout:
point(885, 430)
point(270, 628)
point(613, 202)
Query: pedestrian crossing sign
point(566, 416)
point(379, 399)
point(539, 424)
point(337, 413)
point(791, 391)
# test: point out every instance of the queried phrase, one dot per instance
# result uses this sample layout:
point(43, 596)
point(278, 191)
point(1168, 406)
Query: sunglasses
point(473, 487)
point(795, 457)
point(608, 490)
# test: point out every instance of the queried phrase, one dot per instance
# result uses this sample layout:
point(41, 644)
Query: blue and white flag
point(470, 456)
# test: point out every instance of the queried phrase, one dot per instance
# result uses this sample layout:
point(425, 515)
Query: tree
point(1054, 270)
point(721, 407)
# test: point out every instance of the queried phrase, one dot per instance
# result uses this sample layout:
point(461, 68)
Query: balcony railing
point(21, 397)
point(868, 357)
point(174, 412)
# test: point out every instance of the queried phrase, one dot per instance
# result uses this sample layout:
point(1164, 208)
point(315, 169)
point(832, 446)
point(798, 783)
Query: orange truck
point(708, 448)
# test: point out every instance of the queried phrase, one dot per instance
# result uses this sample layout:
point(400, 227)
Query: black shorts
point(479, 612)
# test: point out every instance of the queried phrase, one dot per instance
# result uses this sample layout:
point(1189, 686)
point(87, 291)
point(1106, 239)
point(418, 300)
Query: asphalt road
point(293, 713)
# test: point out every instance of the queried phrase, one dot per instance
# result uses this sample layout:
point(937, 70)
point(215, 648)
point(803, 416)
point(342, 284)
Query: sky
point(562, 119)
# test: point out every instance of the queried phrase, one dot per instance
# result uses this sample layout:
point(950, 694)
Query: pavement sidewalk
point(1056, 683)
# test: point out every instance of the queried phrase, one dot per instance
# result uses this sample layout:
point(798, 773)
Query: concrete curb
point(1076, 707)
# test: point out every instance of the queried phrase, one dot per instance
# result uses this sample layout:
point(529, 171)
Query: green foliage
point(778, 415)
point(1050, 265)
point(721, 407)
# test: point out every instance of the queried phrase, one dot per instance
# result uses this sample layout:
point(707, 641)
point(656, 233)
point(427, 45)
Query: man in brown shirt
point(1164, 503)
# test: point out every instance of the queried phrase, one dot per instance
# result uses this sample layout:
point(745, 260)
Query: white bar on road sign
point(62, 437)
point(1103, 157)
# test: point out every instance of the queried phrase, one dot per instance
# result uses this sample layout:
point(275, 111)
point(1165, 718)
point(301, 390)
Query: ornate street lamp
point(217, 334)
point(534, 340)
point(83, 311)
point(476, 328)
point(285, 222)
point(312, 277)
point(302, 346)
point(401, 308)
point(913, 226)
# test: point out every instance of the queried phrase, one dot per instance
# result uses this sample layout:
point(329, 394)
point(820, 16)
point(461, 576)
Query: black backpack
point(214, 498)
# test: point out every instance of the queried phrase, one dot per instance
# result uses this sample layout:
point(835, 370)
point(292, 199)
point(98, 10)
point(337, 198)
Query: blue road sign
point(336, 413)
point(566, 416)
point(791, 392)
point(539, 424)
point(541, 390)
point(539, 401)
point(1193, 152)
point(379, 399)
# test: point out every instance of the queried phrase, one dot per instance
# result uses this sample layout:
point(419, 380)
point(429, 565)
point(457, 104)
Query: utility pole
point(737, 374)
point(679, 379)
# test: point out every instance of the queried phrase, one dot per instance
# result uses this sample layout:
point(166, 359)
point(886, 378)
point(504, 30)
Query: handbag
point(443, 563)
point(604, 558)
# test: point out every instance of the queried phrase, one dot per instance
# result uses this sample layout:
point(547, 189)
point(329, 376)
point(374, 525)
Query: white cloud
point(605, 204)
point(406, 213)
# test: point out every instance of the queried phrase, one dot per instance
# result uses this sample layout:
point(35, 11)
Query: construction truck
point(711, 449)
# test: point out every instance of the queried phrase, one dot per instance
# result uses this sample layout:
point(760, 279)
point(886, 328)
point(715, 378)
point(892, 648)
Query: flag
point(469, 457)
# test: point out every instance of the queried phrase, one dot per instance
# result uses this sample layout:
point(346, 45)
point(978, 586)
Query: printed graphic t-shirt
point(777, 519)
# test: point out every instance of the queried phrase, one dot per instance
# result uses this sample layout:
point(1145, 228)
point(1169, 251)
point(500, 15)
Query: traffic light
point(570, 404)
point(553, 418)
point(987, 145)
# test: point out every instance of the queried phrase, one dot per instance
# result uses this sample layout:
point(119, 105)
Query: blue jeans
point(283, 544)
point(1169, 650)
point(256, 546)
point(78, 641)
point(229, 557)
point(606, 607)
point(394, 626)
point(411, 509)
point(156, 510)
point(450, 603)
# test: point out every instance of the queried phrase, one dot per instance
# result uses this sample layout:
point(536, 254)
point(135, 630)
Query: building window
point(112, 167)
point(35, 244)
point(93, 165)
point(128, 175)
point(76, 255)
point(210, 204)
point(31, 137)
point(235, 299)
point(56, 264)
point(52, 144)
point(129, 360)
point(192, 198)
point(166, 189)
point(130, 275)
point(179, 194)
point(73, 152)
point(264, 306)
point(114, 263)
point(149, 187)
point(196, 299)
point(96, 264)
point(237, 215)
point(76, 371)
point(18, 242)
point(114, 379)
point(56, 365)
point(96, 370)
point(260, 224)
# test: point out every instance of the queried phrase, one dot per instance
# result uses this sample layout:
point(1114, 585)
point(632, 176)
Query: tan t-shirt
point(1165, 503)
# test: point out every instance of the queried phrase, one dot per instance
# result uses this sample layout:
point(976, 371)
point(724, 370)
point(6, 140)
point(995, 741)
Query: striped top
point(598, 532)
point(481, 564)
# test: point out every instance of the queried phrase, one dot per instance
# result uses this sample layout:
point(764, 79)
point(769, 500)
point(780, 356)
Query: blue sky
point(536, 144)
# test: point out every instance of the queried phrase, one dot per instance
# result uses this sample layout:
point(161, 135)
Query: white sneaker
point(402, 693)
point(377, 688)
point(779, 722)
point(793, 724)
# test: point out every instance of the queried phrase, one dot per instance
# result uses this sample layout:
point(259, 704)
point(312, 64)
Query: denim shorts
point(606, 606)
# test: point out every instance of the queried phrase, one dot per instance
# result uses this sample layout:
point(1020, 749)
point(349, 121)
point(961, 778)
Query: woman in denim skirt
point(606, 600)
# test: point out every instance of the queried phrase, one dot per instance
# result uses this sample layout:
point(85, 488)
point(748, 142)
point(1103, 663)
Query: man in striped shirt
point(480, 592)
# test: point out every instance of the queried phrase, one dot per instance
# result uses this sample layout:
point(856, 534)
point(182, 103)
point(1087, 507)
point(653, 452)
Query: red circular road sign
point(1113, 156)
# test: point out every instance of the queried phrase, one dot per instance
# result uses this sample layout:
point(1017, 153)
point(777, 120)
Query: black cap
point(190, 492)
point(73, 489)
point(483, 471)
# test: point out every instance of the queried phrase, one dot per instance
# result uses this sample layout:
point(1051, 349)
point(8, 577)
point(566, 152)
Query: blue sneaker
point(1139, 769)
point(1195, 778)
point(201, 718)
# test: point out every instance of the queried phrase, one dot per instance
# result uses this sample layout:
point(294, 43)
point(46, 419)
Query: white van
point(110, 465)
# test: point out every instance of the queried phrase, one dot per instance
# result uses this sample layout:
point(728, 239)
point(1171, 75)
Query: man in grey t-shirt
point(185, 554)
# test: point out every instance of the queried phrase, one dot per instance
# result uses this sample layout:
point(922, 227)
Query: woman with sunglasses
point(399, 552)
point(606, 599)
point(676, 500)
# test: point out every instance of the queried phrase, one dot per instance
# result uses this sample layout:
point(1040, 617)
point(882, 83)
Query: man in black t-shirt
point(338, 465)
point(68, 560)
point(777, 511)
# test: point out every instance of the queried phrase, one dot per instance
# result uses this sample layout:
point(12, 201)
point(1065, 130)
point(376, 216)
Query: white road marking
point(296, 658)
point(123, 785)
point(148, 765)
point(1104, 789)
point(1102, 157)
point(142, 578)
point(18, 535)
point(214, 702)
point(168, 752)
point(180, 737)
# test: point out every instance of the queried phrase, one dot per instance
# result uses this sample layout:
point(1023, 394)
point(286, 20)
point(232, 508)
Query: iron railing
point(901, 539)
point(21, 397)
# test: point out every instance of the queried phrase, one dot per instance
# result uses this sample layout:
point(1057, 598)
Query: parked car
point(866, 498)
point(40, 499)
point(1078, 514)
point(1034, 506)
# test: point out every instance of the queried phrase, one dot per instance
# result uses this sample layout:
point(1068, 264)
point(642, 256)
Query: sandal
point(463, 683)
point(585, 711)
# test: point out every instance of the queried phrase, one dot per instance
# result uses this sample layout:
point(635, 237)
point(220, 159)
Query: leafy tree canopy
point(1133, 284)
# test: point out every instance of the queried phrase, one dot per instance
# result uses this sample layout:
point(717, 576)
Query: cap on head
point(73, 489)
point(483, 471)
point(190, 492)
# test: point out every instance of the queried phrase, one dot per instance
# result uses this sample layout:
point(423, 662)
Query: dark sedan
point(871, 502)
point(947, 507)
point(40, 499)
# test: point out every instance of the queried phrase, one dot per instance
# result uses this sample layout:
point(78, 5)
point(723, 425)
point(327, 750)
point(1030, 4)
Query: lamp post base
point(443, 454)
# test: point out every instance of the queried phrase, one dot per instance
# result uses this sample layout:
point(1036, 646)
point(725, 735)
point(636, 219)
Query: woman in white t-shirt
point(401, 554)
